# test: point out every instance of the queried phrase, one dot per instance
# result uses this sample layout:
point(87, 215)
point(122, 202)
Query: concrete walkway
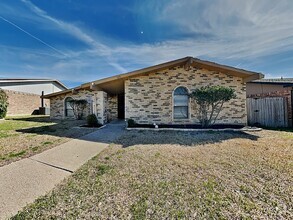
point(23, 181)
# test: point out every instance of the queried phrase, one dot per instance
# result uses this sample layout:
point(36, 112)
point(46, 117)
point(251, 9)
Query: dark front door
point(121, 106)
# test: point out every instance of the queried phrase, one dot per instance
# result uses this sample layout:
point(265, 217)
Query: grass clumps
point(17, 154)
point(24, 136)
point(176, 175)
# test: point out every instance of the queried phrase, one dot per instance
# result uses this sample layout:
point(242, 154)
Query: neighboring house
point(270, 102)
point(158, 94)
point(24, 94)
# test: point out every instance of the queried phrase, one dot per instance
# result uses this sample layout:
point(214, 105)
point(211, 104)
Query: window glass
point(181, 112)
point(68, 108)
point(180, 102)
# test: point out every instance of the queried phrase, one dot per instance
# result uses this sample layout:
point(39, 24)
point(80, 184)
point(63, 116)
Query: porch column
point(101, 102)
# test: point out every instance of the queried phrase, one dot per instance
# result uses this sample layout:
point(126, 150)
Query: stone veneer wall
point(112, 107)
point(96, 104)
point(149, 98)
point(21, 103)
point(102, 107)
point(286, 93)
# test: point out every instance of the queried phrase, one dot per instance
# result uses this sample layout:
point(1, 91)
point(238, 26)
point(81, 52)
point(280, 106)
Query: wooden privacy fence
point(268, 112)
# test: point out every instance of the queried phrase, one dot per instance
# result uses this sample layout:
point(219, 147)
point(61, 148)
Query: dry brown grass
point(174, 175)
point(26, 136)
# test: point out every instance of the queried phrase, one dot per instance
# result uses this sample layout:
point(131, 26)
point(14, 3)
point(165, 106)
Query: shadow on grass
point(39, 118)
point(112, 131)
point(184, 138)
point(279, 129)
point(60, 128)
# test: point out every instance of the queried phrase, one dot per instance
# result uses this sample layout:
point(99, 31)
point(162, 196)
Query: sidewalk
point(23, 181)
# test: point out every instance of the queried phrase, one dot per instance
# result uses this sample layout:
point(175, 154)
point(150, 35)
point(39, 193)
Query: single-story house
point(158, 94)
point(270, 102)
point(24, 95)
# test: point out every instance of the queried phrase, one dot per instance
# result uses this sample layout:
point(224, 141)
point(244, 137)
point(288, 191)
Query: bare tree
point(78, 106)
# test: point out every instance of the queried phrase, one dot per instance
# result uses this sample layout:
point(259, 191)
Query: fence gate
point(268, 112)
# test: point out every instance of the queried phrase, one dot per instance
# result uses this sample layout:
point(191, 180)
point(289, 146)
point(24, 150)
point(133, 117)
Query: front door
point(121, 106)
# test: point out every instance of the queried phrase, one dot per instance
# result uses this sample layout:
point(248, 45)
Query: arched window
point(68, 108)
point(180, 103)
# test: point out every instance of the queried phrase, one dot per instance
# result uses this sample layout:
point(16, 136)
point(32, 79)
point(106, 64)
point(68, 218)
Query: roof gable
point(186, 61)
point(117, 80)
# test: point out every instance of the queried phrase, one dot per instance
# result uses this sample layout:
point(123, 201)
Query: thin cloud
point(100, 49)
point(31, 51)
point(240, 29)
point(239, 33)
point(31, 35)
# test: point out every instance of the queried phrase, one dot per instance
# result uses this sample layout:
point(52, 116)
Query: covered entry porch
point(110, 102)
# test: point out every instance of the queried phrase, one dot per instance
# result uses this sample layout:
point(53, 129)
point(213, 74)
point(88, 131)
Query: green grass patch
point(139, 209)
point(11, 125)
point(102, 169)
point(288, 135)
point(47, 143)
point(34, 149)
point(179, 214)
point(6, 135)
point(157, 154)
point(17, 154)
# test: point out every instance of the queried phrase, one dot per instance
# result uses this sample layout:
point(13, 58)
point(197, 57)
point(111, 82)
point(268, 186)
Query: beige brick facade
point(21, 103)
point(149, 98)
point(97, 104)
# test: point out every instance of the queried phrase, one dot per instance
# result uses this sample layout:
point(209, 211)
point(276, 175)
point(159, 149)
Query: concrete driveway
point(23, 181)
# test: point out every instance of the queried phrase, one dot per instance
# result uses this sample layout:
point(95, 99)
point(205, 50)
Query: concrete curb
point(194, 129)
point(90, 127)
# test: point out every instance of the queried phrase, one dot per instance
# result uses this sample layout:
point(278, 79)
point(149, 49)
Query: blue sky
point(78, 41)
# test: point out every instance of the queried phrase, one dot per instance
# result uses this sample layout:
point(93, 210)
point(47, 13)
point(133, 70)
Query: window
point(68, 108)
point(180, 103)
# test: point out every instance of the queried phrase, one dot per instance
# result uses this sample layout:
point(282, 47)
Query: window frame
point(187, 106)
point(65, 107)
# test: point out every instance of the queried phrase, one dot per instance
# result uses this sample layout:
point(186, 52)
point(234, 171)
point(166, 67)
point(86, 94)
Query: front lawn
point(27, 135)
point(174, 175)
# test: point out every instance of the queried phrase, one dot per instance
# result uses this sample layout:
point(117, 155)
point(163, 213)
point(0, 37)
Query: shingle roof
point(279, 81)
point(186, 61)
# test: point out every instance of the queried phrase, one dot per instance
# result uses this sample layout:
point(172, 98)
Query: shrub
point(92, 120)
point(210, 100)
point(131, 123)
point(78, 106)
point(3, 104)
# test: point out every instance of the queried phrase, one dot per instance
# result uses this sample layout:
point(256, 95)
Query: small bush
point(131, 123)
point(210, 101)
point(3, 104)
point(92, 120)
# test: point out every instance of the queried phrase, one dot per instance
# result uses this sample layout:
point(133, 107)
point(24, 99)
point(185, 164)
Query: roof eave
point(246, 75)
point(227, 69)
point(274, 83)
point(33, 81)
